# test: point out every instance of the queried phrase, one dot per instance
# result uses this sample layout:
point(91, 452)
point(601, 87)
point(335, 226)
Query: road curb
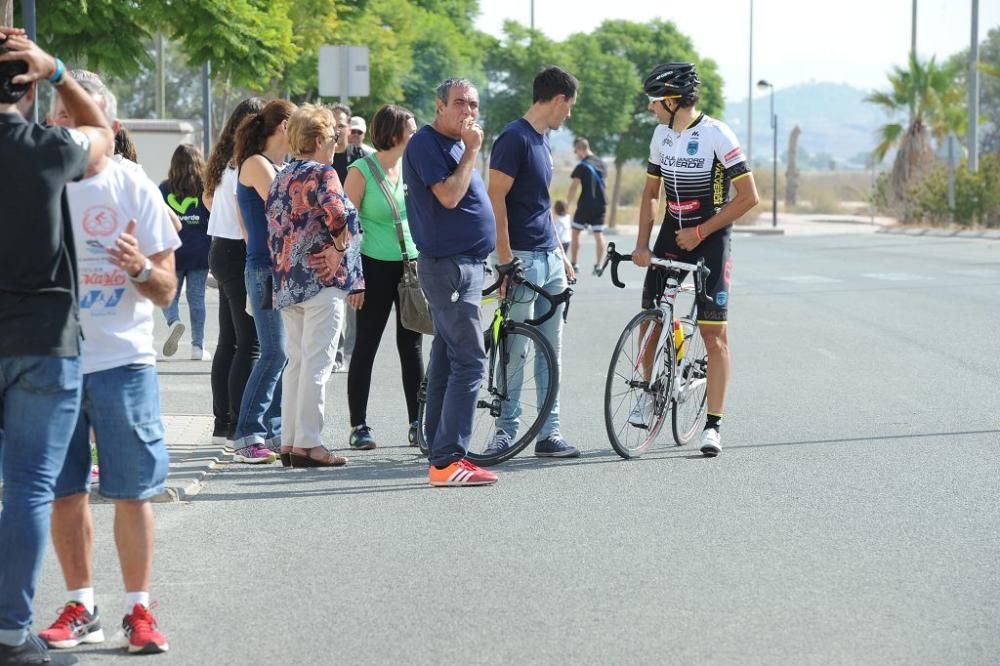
point(192, 457)
point(941, 233)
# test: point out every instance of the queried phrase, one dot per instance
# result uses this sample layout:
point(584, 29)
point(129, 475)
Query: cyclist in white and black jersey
point(696, 158)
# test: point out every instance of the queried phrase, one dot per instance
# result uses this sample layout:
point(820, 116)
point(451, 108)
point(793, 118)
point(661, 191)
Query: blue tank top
point(255, 219)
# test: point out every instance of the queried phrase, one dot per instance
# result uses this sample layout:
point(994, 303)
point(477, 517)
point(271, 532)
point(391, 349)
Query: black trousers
point(238, 348)
point(381, 282)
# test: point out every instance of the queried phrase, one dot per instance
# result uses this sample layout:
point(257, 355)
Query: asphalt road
point(851, 518)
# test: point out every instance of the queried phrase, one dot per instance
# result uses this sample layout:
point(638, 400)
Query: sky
point(794, 41)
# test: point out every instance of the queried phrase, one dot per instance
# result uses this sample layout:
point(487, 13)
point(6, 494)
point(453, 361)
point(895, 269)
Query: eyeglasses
point(358, 132)
point(660, 99)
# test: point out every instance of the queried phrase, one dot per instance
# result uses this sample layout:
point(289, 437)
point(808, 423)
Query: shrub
point(977, 195)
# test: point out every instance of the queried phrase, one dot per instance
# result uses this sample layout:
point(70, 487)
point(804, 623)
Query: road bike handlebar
point(515, 272)
point(699, 270)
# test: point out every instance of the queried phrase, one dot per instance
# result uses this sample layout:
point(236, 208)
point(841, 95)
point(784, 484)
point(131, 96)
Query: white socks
point(133, 598)
point(85, 596)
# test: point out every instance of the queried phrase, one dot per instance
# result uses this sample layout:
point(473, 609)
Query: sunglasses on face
point(358, 132)
point(660, 99)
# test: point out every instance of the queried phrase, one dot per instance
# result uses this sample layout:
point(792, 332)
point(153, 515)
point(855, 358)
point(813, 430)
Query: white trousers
point(312, 329)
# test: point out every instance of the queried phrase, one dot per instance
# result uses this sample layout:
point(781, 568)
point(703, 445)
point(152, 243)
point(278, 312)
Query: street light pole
point(972, 137)
point(774, 155)
point(750, 95)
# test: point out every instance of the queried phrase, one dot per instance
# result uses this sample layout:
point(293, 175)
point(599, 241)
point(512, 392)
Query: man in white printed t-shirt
point(125, 244)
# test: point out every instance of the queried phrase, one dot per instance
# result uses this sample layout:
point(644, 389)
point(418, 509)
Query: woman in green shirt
point(382, 262)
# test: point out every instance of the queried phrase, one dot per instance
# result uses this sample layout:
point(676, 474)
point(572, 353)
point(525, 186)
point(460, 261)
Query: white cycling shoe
point(642, 413)
point(711, 443)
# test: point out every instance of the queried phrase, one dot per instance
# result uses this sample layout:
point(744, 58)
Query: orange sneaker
point(461, 473)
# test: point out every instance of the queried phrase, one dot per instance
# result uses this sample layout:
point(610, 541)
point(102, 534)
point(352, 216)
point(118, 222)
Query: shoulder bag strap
point(376, 171)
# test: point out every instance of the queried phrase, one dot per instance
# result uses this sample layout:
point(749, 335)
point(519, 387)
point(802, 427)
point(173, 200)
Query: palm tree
point(927, 92)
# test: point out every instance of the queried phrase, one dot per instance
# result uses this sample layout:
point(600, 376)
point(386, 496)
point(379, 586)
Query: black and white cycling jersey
point(697, 166)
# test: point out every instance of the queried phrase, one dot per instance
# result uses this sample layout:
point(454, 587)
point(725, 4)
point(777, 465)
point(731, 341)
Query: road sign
point(343, 71)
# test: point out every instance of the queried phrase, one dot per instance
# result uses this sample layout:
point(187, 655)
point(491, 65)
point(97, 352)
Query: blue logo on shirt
point(692, 147)
point(721, 298)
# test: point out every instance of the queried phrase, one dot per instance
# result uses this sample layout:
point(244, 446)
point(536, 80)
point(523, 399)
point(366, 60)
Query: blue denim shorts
point(122, 405)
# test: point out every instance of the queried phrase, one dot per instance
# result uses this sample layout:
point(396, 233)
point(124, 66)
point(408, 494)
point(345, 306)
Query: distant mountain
point(837, 125)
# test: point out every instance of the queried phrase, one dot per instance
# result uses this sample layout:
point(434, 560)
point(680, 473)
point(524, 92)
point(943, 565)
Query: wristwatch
point(143, 275)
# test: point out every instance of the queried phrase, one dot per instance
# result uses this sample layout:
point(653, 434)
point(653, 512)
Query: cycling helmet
point(672, 79)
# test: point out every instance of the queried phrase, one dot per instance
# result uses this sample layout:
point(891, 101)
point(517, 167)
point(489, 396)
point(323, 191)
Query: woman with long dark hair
point(182, 191)
point(237, 348)
point(261, 147)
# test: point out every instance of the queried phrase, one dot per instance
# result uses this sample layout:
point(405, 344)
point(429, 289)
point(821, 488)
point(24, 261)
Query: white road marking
point(809, 279)
point(897, 277)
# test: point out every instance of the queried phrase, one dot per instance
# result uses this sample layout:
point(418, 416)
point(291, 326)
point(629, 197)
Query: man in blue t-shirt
point(520, 173)
point(452, 224)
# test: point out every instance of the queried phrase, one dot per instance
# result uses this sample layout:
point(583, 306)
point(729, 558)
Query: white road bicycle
point(659, 365)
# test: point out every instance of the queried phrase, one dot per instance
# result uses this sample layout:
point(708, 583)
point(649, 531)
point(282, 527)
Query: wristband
point(697, 232)
point(57, 77)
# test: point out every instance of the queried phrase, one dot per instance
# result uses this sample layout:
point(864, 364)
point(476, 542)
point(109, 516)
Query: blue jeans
point(453, 287)
point(260, 411)
point(196, 281)
point(546, 270)
point(39, 401)
point(122, 405)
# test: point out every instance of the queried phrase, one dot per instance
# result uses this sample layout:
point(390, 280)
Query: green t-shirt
point(380, 240)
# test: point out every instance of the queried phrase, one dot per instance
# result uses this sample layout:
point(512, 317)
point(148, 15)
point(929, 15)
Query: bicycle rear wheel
point(688, 403)
point(523, 358)
point(635, 408)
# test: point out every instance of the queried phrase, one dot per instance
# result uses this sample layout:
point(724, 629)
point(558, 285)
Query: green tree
point(646, 45)
point(248, 41)
point(989, 87)
point(935, 104)
point(510, 67)
point(604, 103)
point(442, 49)
point(77, 31)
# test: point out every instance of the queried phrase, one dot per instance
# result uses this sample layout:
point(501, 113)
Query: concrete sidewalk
point(192, 457)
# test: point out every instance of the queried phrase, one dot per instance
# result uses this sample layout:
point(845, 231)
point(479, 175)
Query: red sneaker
point(140, 630)
point(74, 625)
point(461, 473)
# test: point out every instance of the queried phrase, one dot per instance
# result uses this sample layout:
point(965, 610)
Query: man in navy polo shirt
point(452, 225)
point(520, 173)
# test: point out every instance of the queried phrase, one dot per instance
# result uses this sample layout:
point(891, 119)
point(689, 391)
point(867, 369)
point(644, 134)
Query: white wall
point(155, 142)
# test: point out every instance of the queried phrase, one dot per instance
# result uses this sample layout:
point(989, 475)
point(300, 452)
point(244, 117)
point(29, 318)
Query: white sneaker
point(199, 354)
point(642, 413)
point(173, 337)
point(711, 443)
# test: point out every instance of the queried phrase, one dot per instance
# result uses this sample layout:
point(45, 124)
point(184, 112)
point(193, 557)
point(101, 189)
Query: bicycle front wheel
point(688, 403)
point(638, 386)
point(516, 396)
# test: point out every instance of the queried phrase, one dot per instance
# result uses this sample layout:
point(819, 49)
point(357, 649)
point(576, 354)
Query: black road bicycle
point(521, 382)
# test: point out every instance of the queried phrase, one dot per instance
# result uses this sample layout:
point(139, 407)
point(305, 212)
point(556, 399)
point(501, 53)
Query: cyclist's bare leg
point(599, 243)
point(716, 338)
point(647, 353)
point(574, 247)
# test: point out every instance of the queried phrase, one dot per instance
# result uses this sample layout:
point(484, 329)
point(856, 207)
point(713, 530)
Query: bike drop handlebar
point(699, 270)
point(514, 271)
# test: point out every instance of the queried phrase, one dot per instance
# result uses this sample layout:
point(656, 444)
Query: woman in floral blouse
point(314, 241)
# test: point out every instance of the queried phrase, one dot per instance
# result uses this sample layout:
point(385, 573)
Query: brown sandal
point(309, 461)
